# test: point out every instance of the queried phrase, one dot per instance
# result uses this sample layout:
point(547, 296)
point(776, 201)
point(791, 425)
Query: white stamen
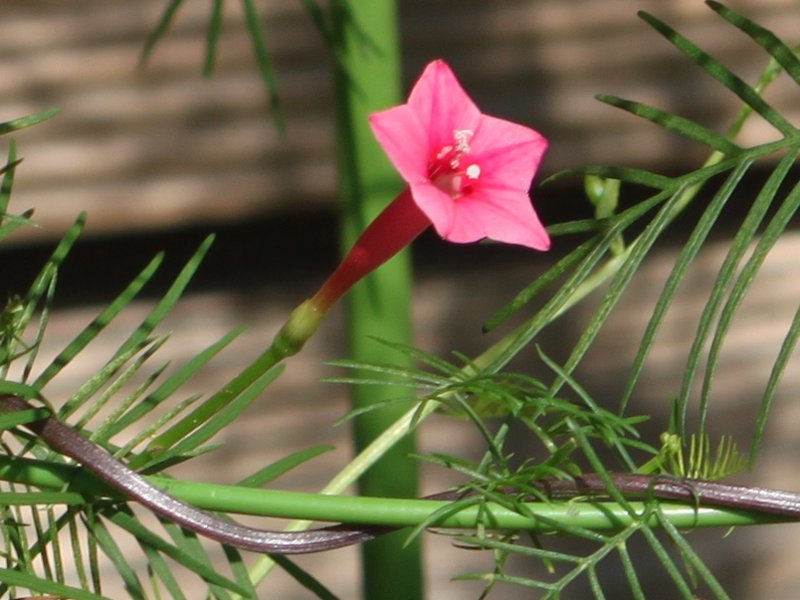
point(473, 171)
point(462, 137)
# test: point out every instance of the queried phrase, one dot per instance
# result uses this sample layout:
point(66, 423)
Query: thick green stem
point(367, 80)
point(82, 486)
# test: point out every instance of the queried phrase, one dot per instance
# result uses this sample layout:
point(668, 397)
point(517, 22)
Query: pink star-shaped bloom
point(469, 173)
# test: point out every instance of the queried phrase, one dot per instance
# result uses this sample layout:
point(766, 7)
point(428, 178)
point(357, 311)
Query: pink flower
point(468, 175)
point(468, 172)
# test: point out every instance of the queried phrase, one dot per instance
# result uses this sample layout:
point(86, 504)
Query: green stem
point(373, 511)
point(367, 80)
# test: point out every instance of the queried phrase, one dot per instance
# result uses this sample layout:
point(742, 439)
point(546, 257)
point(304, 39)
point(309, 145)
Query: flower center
point(451, 170)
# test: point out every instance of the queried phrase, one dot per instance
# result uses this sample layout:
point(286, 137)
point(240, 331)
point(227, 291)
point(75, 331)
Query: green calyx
point(301, 325)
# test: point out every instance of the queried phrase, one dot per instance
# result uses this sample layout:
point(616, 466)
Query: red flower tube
point(468, 175)
point(391, 231)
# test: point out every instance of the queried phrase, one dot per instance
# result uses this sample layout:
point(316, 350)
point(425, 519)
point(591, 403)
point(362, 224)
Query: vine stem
point(733, 505)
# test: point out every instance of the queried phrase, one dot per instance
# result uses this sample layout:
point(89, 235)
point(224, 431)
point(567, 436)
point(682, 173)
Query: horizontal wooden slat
point(162, 146)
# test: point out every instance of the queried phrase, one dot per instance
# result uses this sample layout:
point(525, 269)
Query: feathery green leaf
point(722, 74)
point(685, 127)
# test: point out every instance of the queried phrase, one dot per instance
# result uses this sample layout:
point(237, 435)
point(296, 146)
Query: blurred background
point(160, 157)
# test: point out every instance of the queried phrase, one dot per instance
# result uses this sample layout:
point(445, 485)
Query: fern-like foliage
point(72, 535)
point(605, 259)
point(54, 539)
point(598, 261)
point(254, 24)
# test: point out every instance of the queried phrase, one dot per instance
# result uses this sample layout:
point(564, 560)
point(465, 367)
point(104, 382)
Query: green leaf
point(23, 122)
point(11, 223)
point(685, 127)
point(8, 179)
point(782, 54)
point(42, 282)
point(578, 226)
point(21, 417)
point(160, 30)
point(104, 377)
point(43, 586)
point(778, 369)
point(18, 389)
point(111, 549)
point(225, 395)
point(738, 291)
point(624, 174)
point(190, 544)
point(304, 578)
point(539, 284)
point(738, 248)
point(212, 37)
point(129, 523)
point(157, 564)
point(623, 275)
point(693, 559)
point(687, 255)
point(99, 323)
point(253, 22)
point(240, 572)
point(630, 572)
point(170, 299)
point(320, 21)
point(669, 565)
point(39, 297)
point(170, 386)
point(722, 74)
point(698, 462)
point(284, 465)
point(210, 428)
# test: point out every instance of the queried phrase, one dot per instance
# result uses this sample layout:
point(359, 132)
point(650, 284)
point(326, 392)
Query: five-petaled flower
point(468, 175)
point(468, 172)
